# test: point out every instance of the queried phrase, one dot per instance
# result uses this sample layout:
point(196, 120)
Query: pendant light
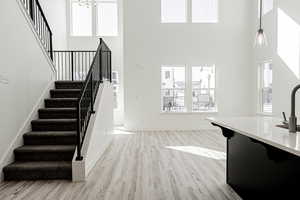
point(260, 39)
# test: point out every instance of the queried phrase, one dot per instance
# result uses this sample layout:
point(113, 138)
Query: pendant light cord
point(260, 15)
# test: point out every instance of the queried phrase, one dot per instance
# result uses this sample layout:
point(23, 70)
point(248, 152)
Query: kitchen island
point(263, 160)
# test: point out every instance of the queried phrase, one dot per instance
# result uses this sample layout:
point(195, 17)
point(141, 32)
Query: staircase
point(49, 148)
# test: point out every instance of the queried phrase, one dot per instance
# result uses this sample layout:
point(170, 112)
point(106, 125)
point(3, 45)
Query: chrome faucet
point(293, 118)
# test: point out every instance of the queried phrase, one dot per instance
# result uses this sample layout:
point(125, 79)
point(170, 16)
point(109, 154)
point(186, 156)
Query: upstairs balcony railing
point(72, 65)
point(40, 23)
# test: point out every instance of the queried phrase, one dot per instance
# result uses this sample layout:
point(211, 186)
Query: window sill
point(189, 113)
point(264, 114)
point(92, 36)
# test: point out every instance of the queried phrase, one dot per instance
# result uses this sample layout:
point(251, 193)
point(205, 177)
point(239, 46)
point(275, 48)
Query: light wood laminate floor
point(166, 165)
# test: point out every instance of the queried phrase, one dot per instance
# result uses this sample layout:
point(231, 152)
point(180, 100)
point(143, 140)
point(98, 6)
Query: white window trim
point(188, 91)
point(94, 20)
point(260, 109)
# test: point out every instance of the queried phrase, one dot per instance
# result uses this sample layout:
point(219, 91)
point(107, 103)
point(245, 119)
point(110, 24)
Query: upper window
point(267, 6)
point(203, 88)
point(81, 19)
point(173, 88)
point(265, 89)
point(100, 13)
point(107, 18)
point(173, 11)
point(204, 11)
point(288, 41)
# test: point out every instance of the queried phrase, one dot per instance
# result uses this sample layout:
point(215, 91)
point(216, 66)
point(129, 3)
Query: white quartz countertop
point(262, 129)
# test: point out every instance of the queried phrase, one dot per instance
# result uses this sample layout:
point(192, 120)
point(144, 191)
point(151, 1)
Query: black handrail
point(72, 65)
point(40, 23)
point(99, 71)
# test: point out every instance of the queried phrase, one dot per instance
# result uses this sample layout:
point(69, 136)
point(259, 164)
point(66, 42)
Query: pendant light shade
point(260, 39)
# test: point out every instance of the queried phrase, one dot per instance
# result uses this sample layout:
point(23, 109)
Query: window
point(203, 89)
point(116, 86)
point(188, 89)
point(267, 6)
point(288, 44)
point(173, 11)
point(107, 18)
point(81, 19)
point(265, 89)
point(204, 11)
point(94, 18)
point(173, 88)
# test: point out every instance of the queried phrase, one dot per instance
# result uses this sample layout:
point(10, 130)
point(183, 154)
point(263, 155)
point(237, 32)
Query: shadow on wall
point(288, 42)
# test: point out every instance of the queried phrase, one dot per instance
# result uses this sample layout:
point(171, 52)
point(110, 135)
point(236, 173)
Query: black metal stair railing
point(72, 65)
point(99, 71)
point(40, 23)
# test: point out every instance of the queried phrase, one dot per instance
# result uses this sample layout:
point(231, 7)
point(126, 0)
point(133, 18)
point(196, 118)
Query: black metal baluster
point(72, 64)
point(92, 94)
point(100, 66)
point(31, 10)
point(110, 67)
point(79, 157)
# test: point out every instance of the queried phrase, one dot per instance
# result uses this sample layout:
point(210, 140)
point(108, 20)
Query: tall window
point(267, 6)
point(116, 86)
point(265, 93)
point(203, 88)
point(202, 11)
point(173, 88)
point(173, 11)
point(107, 17)
point(94, 18)
point(81, 19)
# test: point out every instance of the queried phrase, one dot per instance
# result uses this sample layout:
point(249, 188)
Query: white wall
point(148, 44)
point(283, 79)
point(25, 74)
point(55, 12)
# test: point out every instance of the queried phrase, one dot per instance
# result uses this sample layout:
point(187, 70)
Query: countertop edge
point(277, 145)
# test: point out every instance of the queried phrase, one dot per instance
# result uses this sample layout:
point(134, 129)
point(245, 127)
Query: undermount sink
point(286, 126)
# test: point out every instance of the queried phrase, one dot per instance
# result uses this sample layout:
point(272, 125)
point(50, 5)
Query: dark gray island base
point(256, 170)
